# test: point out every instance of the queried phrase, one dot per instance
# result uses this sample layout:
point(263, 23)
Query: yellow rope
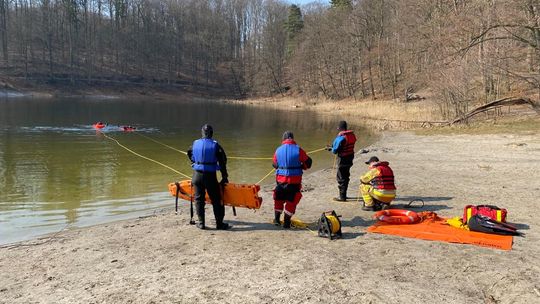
point(334, 223)
point(147, 158)
point(301, 225)
point(359, 193)
point(249, 158)
point(185, 153)
point(315, 151)
point(229, 157)
point(267, 175)
point(334, 166)
point(272, 171)
point(160, 143)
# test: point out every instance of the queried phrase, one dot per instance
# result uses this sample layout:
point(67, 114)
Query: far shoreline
point(421, 116)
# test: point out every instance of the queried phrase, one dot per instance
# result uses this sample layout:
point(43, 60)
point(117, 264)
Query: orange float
point(234, 195)
point(397, 216)
point(98, 125)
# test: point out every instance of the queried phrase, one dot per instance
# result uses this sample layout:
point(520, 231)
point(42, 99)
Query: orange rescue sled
point(434, 228)
point(234, 195)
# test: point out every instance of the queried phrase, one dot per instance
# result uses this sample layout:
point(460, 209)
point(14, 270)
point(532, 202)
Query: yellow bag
point(457, 222)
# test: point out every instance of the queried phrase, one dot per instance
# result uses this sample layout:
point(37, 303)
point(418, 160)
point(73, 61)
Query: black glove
point(224, 181)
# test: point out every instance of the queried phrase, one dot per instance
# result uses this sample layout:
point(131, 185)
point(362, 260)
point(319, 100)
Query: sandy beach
point(163, 259)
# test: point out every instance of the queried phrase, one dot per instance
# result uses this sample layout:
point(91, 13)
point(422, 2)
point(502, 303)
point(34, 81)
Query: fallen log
point(507, 101)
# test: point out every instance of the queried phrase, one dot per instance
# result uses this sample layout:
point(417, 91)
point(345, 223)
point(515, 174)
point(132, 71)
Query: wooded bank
point(462, 53)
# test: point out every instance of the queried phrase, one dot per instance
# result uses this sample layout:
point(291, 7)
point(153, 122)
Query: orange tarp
point(235, 195)
point(434, 228)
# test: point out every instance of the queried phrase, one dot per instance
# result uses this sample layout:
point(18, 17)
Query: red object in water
point(98, 125)
point(128, 128)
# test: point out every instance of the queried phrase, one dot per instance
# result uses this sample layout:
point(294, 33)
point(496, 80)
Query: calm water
point(56, 170)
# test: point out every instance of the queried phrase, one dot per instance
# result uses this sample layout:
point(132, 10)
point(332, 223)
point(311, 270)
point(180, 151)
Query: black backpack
point(481, 223)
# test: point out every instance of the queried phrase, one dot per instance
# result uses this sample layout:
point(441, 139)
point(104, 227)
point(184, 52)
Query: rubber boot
point(277, 216)
point(200, 223)
point(287, 222)
point(342, 195)
point(200, 215)
point(367, 208)
point(220, 225)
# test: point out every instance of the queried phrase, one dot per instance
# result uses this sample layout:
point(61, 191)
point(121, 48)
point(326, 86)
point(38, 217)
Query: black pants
point(344, 165)
point(207, 181)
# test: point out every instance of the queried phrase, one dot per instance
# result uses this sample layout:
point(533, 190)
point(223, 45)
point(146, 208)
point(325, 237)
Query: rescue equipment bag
point(481, 223)
point(490, 211)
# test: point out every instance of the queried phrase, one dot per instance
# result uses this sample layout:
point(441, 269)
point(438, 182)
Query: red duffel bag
point(490, 211)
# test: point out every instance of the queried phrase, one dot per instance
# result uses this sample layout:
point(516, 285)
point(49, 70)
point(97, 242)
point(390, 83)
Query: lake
point(57, 171)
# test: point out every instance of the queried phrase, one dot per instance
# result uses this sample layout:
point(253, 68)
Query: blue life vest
point(204, 155)
point(288, 160)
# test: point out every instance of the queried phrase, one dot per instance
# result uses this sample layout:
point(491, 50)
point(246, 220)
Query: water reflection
point(55, 170)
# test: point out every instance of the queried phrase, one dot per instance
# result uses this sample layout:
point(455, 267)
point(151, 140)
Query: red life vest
point(385, 179)
point(350, 140)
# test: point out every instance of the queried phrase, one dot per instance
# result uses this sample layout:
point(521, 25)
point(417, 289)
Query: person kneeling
point(378, 188)
point(289, 161)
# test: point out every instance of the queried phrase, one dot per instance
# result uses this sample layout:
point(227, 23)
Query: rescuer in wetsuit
point(343, 147)
point(207, 157)
point(289, 161)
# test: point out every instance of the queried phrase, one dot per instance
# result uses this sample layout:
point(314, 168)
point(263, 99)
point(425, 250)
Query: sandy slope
point(162, 259)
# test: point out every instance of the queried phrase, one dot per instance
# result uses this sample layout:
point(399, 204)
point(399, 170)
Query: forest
point(457, 51)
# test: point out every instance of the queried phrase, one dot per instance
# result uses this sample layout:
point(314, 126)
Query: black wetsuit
point(207, 181)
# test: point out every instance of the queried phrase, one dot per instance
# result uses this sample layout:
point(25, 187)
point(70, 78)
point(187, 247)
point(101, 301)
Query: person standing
point(207, 157)
point(343, 147)
point(289, 161)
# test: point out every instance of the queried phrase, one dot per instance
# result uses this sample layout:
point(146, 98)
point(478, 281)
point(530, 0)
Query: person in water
point(378, 188)
point(343, 147)
point(289, 161)
point(207, 157)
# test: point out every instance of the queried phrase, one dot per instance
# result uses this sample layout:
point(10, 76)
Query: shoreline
point(258, 262)
point(381, 115)
point(392, 115)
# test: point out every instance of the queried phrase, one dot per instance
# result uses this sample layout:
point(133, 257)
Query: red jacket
point(305, 160)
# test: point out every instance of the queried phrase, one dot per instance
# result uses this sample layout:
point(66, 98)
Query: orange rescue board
point(434, 228)
point(234, 195)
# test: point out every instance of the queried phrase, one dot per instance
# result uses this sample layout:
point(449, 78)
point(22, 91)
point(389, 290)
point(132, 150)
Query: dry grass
point(526, 125)
point(380, 114)
point(396, 115)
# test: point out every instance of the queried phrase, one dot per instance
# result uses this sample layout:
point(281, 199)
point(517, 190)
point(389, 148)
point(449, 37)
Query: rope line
point(184, 152)
point(315, 151)
point(272, 171)
point(249, 158)
point(267, 175)
point(228, 157)
point(160, 143)
point(144, 157)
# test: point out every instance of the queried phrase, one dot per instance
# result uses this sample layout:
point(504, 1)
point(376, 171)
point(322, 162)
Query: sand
point(163, 259)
